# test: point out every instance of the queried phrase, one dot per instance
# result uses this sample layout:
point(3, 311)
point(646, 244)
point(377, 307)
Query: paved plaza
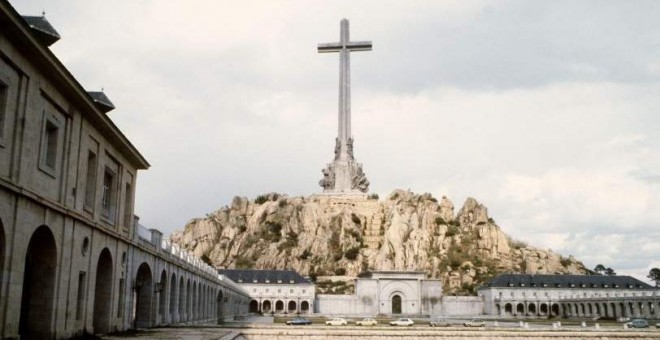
point(499, 330)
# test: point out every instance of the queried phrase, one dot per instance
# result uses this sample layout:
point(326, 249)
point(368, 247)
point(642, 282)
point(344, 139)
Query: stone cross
point(344, 176)
point(344, 47)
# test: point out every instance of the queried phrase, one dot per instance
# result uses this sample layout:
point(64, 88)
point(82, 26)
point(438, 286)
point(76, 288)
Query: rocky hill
point(320, 235)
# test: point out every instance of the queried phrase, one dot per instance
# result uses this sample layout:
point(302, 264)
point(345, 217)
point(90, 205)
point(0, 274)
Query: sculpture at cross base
point(344, 175)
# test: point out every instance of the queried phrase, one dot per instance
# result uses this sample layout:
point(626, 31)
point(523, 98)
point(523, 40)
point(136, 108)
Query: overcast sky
point(547, 112)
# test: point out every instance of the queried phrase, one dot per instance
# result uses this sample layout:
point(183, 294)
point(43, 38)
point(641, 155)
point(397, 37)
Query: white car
point(366, 322)
point(337, 322)
point(402, 322)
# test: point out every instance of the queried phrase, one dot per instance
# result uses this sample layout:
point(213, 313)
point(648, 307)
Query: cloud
point(544, 111)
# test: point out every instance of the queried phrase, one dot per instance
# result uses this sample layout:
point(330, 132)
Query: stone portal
point(344, 175)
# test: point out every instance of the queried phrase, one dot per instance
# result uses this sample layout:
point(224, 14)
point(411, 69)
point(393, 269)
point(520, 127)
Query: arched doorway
point(555, 309)
point(172, 298)
point(266, 307)
point(182, 301)
point(103, 293)
point(508, 309)
point(193, 307)
point(531, 309)
point(162, 295)
point(396, 304)
point(304, 307)
point(543, 309)
point(2, 254)
point(38, 285)
point(279, 306)
point(218, 312)
point(189, 299)
point(520, 309)
point(292, 307)
point(143, 296)
point(254, 306)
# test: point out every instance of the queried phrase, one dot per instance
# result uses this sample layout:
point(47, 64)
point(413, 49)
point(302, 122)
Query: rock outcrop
point(321, 235)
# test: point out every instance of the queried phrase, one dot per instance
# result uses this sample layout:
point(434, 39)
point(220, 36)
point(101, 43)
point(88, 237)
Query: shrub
point(305, 254)
point(261, 199)
point(451, 231)
point(283, 203)
point(440, 221)
point(355, 219)
point(373, 196)
point(244, 262)
point(340, 271)
point(352, 253)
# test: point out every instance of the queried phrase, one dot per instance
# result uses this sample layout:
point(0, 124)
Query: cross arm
point(351, 46)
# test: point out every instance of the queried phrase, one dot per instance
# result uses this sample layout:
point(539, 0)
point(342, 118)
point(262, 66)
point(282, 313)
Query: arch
point(218, 313)
point(520, 309)
point(279, 306)
point(304, 307)
point(38, 285)
point(396, 304)
point(508, 309)
point(188, 301)
point(182, 300)
point(144, 295)
point(162, 296)
point(266, 306)
point(543, 309)
point(554, 310)
point(292, 307)
point(103, 293)
point(172, 298)
point(531, 309)
point(591, 309)
point(195, 302)
point(2, 254)
point(254, 306)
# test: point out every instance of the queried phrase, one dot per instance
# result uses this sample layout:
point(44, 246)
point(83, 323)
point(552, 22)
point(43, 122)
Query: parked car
point(299, 321)
point(439, 323)
point(366, 322)
point(402, 322)
point(638, 323)
point(337, 322)
point(474, 323)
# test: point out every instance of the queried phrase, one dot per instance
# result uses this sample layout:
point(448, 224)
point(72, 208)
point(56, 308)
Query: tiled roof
point(101, 101)
point(566, 281)
point(42, 29)
point(263, 276)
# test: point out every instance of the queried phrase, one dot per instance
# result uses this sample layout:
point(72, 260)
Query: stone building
point(386, 293)
point(72, 258)
point(274, 291)
point(520, 295)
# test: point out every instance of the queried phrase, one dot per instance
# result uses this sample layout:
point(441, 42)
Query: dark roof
point(42, 29)
point(101, 101)
point(566, 281)
point(263, 276)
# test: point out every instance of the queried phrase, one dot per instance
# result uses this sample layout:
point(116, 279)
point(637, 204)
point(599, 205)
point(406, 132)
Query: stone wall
point(462, 305)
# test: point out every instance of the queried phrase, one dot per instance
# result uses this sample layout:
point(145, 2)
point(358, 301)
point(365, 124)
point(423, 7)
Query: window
point(291, 291)
point(49, 144)
point(81, 295)
point(120, 305)
point(90, 185)
point(304, 291)
point(108, 202)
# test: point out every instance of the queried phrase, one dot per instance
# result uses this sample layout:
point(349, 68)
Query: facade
point(274, 291)
point(386, 293)
point(72, 258)
point(518, 295)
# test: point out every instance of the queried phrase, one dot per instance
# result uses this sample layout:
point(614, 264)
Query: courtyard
point(268, 328)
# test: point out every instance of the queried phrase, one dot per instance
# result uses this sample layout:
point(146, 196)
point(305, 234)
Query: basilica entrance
point(396, 304)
